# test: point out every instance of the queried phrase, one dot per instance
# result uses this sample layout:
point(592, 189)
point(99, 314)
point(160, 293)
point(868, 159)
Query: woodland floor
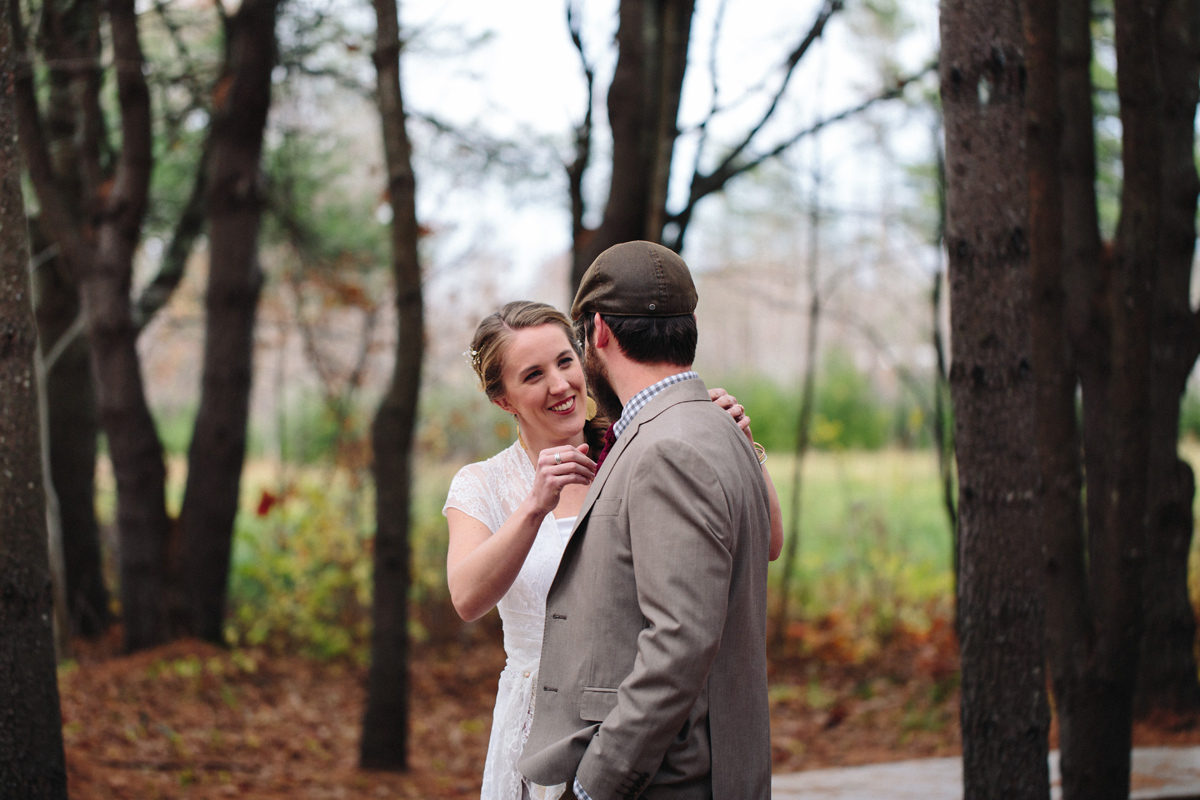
point(189, 720)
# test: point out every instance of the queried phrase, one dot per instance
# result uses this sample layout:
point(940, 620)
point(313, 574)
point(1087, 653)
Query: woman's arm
point(728, 402)
point(776, 512)
point(481, 565)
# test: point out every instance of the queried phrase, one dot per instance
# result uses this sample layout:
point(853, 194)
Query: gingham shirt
point(639, 400)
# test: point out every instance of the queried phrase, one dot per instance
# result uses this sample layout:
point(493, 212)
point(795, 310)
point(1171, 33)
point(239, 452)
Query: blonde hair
point(490, 343)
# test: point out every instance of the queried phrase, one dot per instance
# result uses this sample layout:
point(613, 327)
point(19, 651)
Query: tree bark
point(1070, 632)
point(643, 107)
point(97, 241)
point(385, 722)
point(235, 203)
point(1167, 666)
point(1096, 761)
point(73, 427)
point(70, 35)
point(1005, 718)
point(121, 399)
point(943, 434)
point(1098, 616)
point(32, 764)
point(1086, 266)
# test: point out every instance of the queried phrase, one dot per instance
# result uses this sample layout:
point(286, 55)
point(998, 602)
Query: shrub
point(849, 414)
point(301, 573)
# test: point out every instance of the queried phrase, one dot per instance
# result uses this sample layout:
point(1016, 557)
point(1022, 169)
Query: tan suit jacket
point(653, 679)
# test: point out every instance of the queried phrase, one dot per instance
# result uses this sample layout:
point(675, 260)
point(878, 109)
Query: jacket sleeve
point(679, 523)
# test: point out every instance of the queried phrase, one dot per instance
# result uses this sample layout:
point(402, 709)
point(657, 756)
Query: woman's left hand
point(725, 400)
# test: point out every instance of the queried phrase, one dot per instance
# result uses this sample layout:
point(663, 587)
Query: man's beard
point(607, 401)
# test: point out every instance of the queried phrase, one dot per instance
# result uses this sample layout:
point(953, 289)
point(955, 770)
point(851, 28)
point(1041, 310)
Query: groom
point(653, 679)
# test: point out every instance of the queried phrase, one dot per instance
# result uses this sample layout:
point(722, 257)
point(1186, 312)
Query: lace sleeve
point(469, 493)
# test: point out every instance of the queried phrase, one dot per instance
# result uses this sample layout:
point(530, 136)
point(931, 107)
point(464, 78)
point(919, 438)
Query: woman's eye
point(531, 376)
point(566, 362)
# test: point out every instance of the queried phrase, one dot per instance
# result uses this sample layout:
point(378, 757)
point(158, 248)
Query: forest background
point(806, 172)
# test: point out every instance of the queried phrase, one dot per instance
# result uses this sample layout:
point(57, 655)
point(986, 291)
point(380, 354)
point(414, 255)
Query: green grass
point(872, 529)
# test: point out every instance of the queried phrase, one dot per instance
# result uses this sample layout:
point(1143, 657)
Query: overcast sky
point(526, 81)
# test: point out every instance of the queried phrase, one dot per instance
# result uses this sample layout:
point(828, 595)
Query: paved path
point(1158, 772)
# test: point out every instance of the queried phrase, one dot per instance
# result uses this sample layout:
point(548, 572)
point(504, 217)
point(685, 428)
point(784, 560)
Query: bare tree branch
point(702, 128)
point(583, 137)
point(494, 151)
point(129, 195)
point(174, 31)
point(54, 207)
point(188, 228)
point(704, 185)
point(828, 9)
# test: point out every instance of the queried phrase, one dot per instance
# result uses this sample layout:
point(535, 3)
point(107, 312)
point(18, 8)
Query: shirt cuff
point(579, 791)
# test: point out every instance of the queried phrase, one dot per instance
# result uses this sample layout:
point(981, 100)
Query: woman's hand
point(482, 565)
point(725, 400)
point(558, 467)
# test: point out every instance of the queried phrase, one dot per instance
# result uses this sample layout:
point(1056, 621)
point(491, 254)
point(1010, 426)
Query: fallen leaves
point(189, 720)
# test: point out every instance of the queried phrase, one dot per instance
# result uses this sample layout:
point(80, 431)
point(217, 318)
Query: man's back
point(655, 624)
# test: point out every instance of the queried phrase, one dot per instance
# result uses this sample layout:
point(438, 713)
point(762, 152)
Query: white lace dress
point(490, 491)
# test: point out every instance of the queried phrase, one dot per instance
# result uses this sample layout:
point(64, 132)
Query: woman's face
point(544, 385)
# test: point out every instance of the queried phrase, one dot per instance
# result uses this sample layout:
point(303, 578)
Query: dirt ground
point(189, 720)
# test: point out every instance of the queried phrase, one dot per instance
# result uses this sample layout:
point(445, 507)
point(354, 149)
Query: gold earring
point(590, 405)
point(517, 422)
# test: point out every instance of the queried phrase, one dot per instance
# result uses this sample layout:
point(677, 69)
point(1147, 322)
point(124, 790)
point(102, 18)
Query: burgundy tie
point(609, 438)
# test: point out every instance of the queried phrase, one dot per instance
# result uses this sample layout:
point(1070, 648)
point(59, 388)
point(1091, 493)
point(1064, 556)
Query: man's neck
point(635, 377)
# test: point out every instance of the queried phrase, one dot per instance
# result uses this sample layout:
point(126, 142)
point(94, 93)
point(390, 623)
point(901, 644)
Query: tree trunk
point(943, 432)
point(100, 255)
point(1117, 554)
point(121, 399)
point(70, 35)
point(32, 763)
point(73, 427)
point(1082, 700)
point(1086, 266)
point(385, 722)
point(1167, 669)
point(235, 205)
point(1095, 663)
point(643, 106)
point(808, 389)
point(1005, 719)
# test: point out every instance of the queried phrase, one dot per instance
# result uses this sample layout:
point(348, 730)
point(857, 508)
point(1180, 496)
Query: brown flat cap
point(636, 279)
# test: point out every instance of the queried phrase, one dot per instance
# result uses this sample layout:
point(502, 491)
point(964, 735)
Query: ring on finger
point(558, 458)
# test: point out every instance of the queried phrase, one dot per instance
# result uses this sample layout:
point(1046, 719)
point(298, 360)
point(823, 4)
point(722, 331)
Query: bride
point(511, 516)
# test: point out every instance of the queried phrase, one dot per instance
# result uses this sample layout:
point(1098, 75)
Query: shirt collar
point(639, 400)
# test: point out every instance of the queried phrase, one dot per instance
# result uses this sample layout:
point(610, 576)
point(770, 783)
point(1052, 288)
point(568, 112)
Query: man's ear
point(601, 331)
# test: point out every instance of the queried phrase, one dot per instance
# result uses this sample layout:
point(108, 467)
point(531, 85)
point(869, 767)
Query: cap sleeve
point(469, 494)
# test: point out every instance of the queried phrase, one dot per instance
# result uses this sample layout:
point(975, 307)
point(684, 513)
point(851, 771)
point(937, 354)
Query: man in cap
point(653, 678)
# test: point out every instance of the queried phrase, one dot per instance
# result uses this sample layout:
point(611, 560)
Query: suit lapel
point(602, 476)
point(685, 391)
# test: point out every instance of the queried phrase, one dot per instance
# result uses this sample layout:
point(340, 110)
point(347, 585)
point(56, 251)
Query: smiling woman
point(510, 516)
point(528, 363)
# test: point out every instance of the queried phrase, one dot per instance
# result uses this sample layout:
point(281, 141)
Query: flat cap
point(636, 279)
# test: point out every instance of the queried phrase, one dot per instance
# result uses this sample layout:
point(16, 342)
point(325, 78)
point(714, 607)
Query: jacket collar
point(687, 391)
